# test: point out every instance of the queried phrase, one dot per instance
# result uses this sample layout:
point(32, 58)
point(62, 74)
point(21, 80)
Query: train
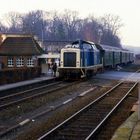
point(84, 59)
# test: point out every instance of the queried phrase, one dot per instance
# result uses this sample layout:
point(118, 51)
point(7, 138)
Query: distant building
point(52, 50)
point(54, 46)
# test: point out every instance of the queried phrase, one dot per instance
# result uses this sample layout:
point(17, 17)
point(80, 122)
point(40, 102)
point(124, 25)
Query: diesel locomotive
point(84, 58)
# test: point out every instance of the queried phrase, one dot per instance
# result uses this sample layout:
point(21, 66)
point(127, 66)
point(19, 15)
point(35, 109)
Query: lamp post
point(42, 31)
point(100, 33)
point(139, 101)
point(42, 27)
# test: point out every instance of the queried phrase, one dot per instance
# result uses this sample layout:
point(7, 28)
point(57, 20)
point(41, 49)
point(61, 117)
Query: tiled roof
point(20, 46)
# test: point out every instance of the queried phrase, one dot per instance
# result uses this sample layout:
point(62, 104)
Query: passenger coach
point(113, 56)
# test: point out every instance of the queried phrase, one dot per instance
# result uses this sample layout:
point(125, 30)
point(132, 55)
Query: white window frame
point(19, 62)
point(10, 62)
point(30, 62)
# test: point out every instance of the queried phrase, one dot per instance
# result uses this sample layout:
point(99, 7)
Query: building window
point(19, 62)
point(30, 62)
point(10, 62)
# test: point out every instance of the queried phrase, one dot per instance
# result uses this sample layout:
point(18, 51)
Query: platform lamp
point(100, 33)
point(139, 100)
point(42, 29)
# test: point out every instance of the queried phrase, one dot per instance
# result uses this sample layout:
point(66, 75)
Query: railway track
point(14, 99)
point(23, 96)
point(16, 89)
point(52, 88)
point(85, 123)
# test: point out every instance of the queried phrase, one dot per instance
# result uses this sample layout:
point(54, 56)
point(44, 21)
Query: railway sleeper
point(70, 137)
point(87, 126)
point(89, 117)
point(84, 123)
point(85, 120)
point(74, 132)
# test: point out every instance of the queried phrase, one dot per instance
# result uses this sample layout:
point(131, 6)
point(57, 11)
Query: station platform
point(27, 82)
point(129, 130)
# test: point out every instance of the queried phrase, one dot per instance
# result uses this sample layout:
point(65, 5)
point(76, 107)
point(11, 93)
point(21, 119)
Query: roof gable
point(24, 45)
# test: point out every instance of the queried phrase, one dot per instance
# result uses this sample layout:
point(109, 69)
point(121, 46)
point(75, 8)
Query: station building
point(18, 58)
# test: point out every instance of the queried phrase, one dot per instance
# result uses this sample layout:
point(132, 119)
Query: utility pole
point(100, 33)
point(42, 32)
point(139, 101)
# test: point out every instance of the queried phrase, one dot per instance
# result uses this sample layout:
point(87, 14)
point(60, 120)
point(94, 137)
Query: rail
point(74, 116)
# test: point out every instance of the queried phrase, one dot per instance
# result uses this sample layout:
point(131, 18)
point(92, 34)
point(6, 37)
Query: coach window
point(10, 62)
point(19, 62)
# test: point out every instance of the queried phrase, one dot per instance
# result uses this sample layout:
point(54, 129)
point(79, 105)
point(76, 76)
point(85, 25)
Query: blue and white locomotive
point(84, 58)
point(80, 59)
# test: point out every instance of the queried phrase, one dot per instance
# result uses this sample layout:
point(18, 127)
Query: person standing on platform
point(54, 68)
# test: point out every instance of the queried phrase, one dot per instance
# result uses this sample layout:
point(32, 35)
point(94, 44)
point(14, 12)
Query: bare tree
point(33, 23)
point(70, 20)
point(65, 26)
point(111, 23)
point(89, 29)
point(54, 24)
point(3, 28)
point(14, 21)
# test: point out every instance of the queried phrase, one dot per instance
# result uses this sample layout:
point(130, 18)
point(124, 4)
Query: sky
point(127, 10)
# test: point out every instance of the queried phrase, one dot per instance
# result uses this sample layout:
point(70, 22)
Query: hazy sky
point(127, 10)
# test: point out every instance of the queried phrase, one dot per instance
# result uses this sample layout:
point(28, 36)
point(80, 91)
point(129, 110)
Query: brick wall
point(12, 75)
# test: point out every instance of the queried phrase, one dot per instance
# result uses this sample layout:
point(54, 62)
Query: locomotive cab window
point(70, 59)
point(75, 46)
point(87, 46)
point(94, 47)
point(72, 46)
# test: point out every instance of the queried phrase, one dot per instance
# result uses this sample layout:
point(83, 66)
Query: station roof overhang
point(49, 56)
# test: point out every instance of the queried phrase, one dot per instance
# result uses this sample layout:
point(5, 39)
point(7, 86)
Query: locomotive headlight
point(78, 64)
point(61, 63)
point(78, 58)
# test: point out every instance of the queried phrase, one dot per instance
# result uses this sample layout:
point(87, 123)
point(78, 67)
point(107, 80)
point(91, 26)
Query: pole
point(139, 101)
point(42, 28)
point(100, 33)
